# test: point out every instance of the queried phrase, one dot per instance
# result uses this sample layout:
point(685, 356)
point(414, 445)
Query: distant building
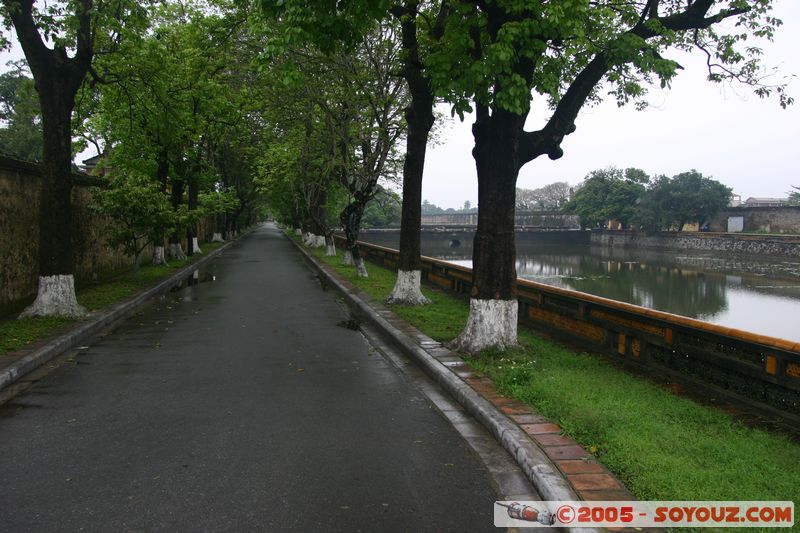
point(96, 166)
point(735, 201)
point(765, 202)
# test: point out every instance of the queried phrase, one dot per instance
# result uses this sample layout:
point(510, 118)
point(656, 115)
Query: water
point(751, 293)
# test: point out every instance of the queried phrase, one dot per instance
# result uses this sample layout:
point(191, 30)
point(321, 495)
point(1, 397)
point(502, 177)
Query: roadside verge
point(86, 330)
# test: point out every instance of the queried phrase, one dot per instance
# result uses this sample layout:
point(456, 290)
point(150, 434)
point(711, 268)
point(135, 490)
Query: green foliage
point(608, 194)
point(669, 203)
point(383, 210)
point(794, 196)
point(499, 55)
point(140, 209)
point(21, 134)
point(178, 104)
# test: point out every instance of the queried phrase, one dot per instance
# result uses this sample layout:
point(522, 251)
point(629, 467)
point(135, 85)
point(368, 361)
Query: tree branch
point(548, 139)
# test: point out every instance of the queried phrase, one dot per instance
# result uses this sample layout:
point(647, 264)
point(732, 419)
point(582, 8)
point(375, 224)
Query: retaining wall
point(734, 243)
point(761, 368)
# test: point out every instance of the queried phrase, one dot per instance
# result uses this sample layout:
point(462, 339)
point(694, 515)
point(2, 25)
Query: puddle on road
point(195, 278)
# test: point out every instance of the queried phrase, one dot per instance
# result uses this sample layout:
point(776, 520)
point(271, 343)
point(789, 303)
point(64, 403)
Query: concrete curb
point(86, 330)
point(533, 461)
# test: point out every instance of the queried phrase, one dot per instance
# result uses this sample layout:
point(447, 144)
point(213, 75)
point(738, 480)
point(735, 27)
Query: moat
point(752, 293)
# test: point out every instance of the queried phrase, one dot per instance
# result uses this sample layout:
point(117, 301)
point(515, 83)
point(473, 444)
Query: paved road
point(237, 404)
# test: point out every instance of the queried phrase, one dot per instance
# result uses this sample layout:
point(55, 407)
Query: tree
point(75, 27)
point(670, 203)
point(140, 210)
point(794, 196)
point(383, 210)
point(172, 107)
point(431, 209)
point(420, 119)
point(608, 194)
point(551, 197)
point(370, 124)
point(494, 55)
point(327, 24)
point(21, 137)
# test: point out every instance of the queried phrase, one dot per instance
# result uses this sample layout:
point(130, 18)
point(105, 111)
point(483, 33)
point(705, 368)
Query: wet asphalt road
point(236, 405)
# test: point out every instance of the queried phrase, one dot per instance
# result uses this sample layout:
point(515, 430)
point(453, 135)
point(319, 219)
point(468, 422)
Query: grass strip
point(16, 333)
point(662, 446)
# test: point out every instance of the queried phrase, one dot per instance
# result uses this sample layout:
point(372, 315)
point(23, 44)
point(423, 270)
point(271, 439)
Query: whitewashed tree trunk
point(491, 324)
point(196, 246)
point(319, 241)
point(158, 256)
point(217, 237)
point(330, 247)
point(298, 232)
point(176, 252)
point(361, 268)
point(56, 297)
point(347, 258)
point(407, 289)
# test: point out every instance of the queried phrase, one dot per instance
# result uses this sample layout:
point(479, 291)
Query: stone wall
point(733, 243)
point(20, 185)
point(761, 219)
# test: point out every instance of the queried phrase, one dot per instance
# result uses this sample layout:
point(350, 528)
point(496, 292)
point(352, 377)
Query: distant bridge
point(526, 219)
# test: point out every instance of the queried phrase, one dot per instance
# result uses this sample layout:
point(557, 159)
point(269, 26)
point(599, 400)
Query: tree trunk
point(330, 245)
point(176, 196)
point(351, 221)
point(162, 175)
point(57, 78)
point(419, 118)
point(493, 302)
point(192, 246)
point(56, 294)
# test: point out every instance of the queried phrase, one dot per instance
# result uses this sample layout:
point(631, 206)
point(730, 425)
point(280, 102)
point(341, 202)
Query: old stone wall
point(761, 219)
point(95, 259)
point(774, 245)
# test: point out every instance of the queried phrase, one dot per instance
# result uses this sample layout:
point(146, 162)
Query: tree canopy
point(688, 197)
point(21, 133)
point(608, 194)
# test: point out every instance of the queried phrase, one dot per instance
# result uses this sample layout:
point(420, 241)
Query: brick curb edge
point(529, 454)
point(86, 330)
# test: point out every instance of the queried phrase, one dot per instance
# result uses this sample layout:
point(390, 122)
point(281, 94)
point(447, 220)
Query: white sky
point(728, 133)
point(725, 132)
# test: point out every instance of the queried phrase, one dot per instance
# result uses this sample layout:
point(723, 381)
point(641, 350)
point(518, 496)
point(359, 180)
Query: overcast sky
point(728, 133)
point(725, 132)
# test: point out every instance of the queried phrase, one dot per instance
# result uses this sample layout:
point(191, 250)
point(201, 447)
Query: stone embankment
point(731, 243)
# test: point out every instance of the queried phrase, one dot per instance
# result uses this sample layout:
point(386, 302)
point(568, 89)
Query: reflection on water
point(752, 293)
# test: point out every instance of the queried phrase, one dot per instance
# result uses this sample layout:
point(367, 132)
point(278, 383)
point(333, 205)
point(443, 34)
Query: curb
point(534, 462)
point(86, 330)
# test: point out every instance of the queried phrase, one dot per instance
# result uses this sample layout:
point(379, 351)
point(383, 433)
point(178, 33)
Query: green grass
point(664, 447)
point(15, 334)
